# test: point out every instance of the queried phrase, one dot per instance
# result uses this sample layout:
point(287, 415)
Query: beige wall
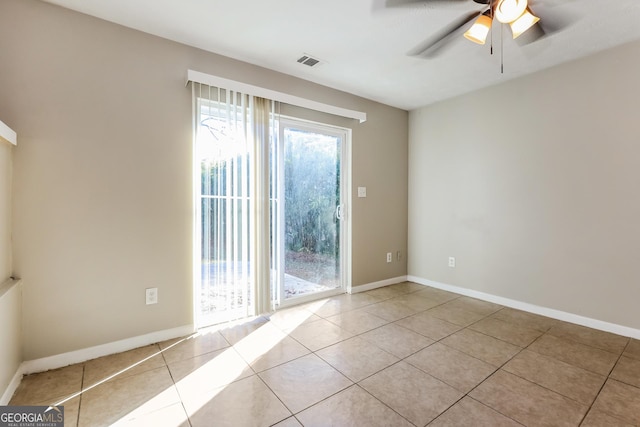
point(5, 210)
point(102, 174)
point(533, 186)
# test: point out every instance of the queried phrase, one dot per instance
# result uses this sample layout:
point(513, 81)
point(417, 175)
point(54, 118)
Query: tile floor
point(402, 355)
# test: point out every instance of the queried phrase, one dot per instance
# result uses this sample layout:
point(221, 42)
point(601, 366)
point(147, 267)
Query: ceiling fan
point(515, 13)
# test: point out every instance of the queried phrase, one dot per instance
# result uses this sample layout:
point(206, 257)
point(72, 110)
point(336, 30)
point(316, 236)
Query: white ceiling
point(364, 45)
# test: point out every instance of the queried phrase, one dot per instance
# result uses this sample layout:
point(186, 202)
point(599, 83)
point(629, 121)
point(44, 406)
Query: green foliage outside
point(312, 193)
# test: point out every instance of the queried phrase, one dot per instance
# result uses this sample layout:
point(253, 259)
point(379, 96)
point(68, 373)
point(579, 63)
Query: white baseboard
point(78, 356)
point(532, 308)
point(11, 388)
point(82, 355)
point(375, 285)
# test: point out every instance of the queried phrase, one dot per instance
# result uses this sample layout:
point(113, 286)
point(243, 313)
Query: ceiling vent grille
point(308, 60)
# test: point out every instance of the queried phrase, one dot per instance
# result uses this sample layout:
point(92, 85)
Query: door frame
point(345, 201)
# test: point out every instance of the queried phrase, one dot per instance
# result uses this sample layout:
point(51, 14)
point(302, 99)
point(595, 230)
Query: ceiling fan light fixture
point(508, 11)
point(523, 23)
point(479, 30)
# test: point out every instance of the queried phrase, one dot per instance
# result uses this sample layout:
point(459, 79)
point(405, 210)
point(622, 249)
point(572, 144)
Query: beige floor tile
point(429, 326)
point(416, 302)
point(204, 373)
point(475, 305)
point(204, 341)
point(357, 321)
point(456, 315)
point(289, 422)
point(304, 382)
point(588, 336)
point(356, 358)
point(122, 365)
point(551, 382)
point(351, 407)
point(527, 402)
point(570, 381)
point(619, 400)
point(264, 333)
point(173, 415)
point(513, 334)
point(319, 334)
point(451, 366)
point(408, 287)
point(399, 341)
point(267, 347)
point(71, 408)
point(339, 304)
point(281, 352)
point(525, 319)
point(235, 332)
point(627, 370)
point(597, 418)
point(390, 310)
point(483, 347)
point(412, 393)
point(362, 299)
point(437, 294)
point(247, 402)
point(128, 398)
point(386, 292)
point(71, 412)
point(633, 349)
point(580, 355)
point(469, 412)
point(289, 318)
point(51, 386)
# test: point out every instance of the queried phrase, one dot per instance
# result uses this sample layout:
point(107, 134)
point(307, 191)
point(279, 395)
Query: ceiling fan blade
point(404, 3)
point(549, 24)
point(432, 46)
point(378, 5)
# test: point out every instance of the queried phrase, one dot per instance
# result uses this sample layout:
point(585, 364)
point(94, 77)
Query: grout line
point(568, 338)
point(84, 367)
point(607, 377)
point(487, 378)
point(162, 352)
point(399, 414)
point(277, 397)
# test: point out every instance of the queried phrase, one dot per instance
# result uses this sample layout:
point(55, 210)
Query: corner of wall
point(10, 337)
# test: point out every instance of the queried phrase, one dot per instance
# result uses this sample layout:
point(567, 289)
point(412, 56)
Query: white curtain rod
point(208, 79)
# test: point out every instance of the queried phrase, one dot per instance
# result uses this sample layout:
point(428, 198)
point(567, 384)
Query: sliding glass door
point(270, 208)
point(313, 194)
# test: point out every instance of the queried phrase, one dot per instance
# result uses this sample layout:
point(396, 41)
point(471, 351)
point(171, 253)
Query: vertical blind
point(234, 142)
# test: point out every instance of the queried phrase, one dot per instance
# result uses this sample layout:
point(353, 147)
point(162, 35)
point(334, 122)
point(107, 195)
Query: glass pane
point(225, 257)
point(311, 200)
point(225, 286)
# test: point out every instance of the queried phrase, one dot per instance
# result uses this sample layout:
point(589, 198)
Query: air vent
point(308, 60)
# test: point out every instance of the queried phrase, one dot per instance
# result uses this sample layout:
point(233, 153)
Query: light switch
point(362, 191)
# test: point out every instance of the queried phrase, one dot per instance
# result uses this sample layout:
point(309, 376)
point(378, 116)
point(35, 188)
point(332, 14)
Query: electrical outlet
point(452, 261)
point(151, 295)
point(398, 256)
point(389, 257)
